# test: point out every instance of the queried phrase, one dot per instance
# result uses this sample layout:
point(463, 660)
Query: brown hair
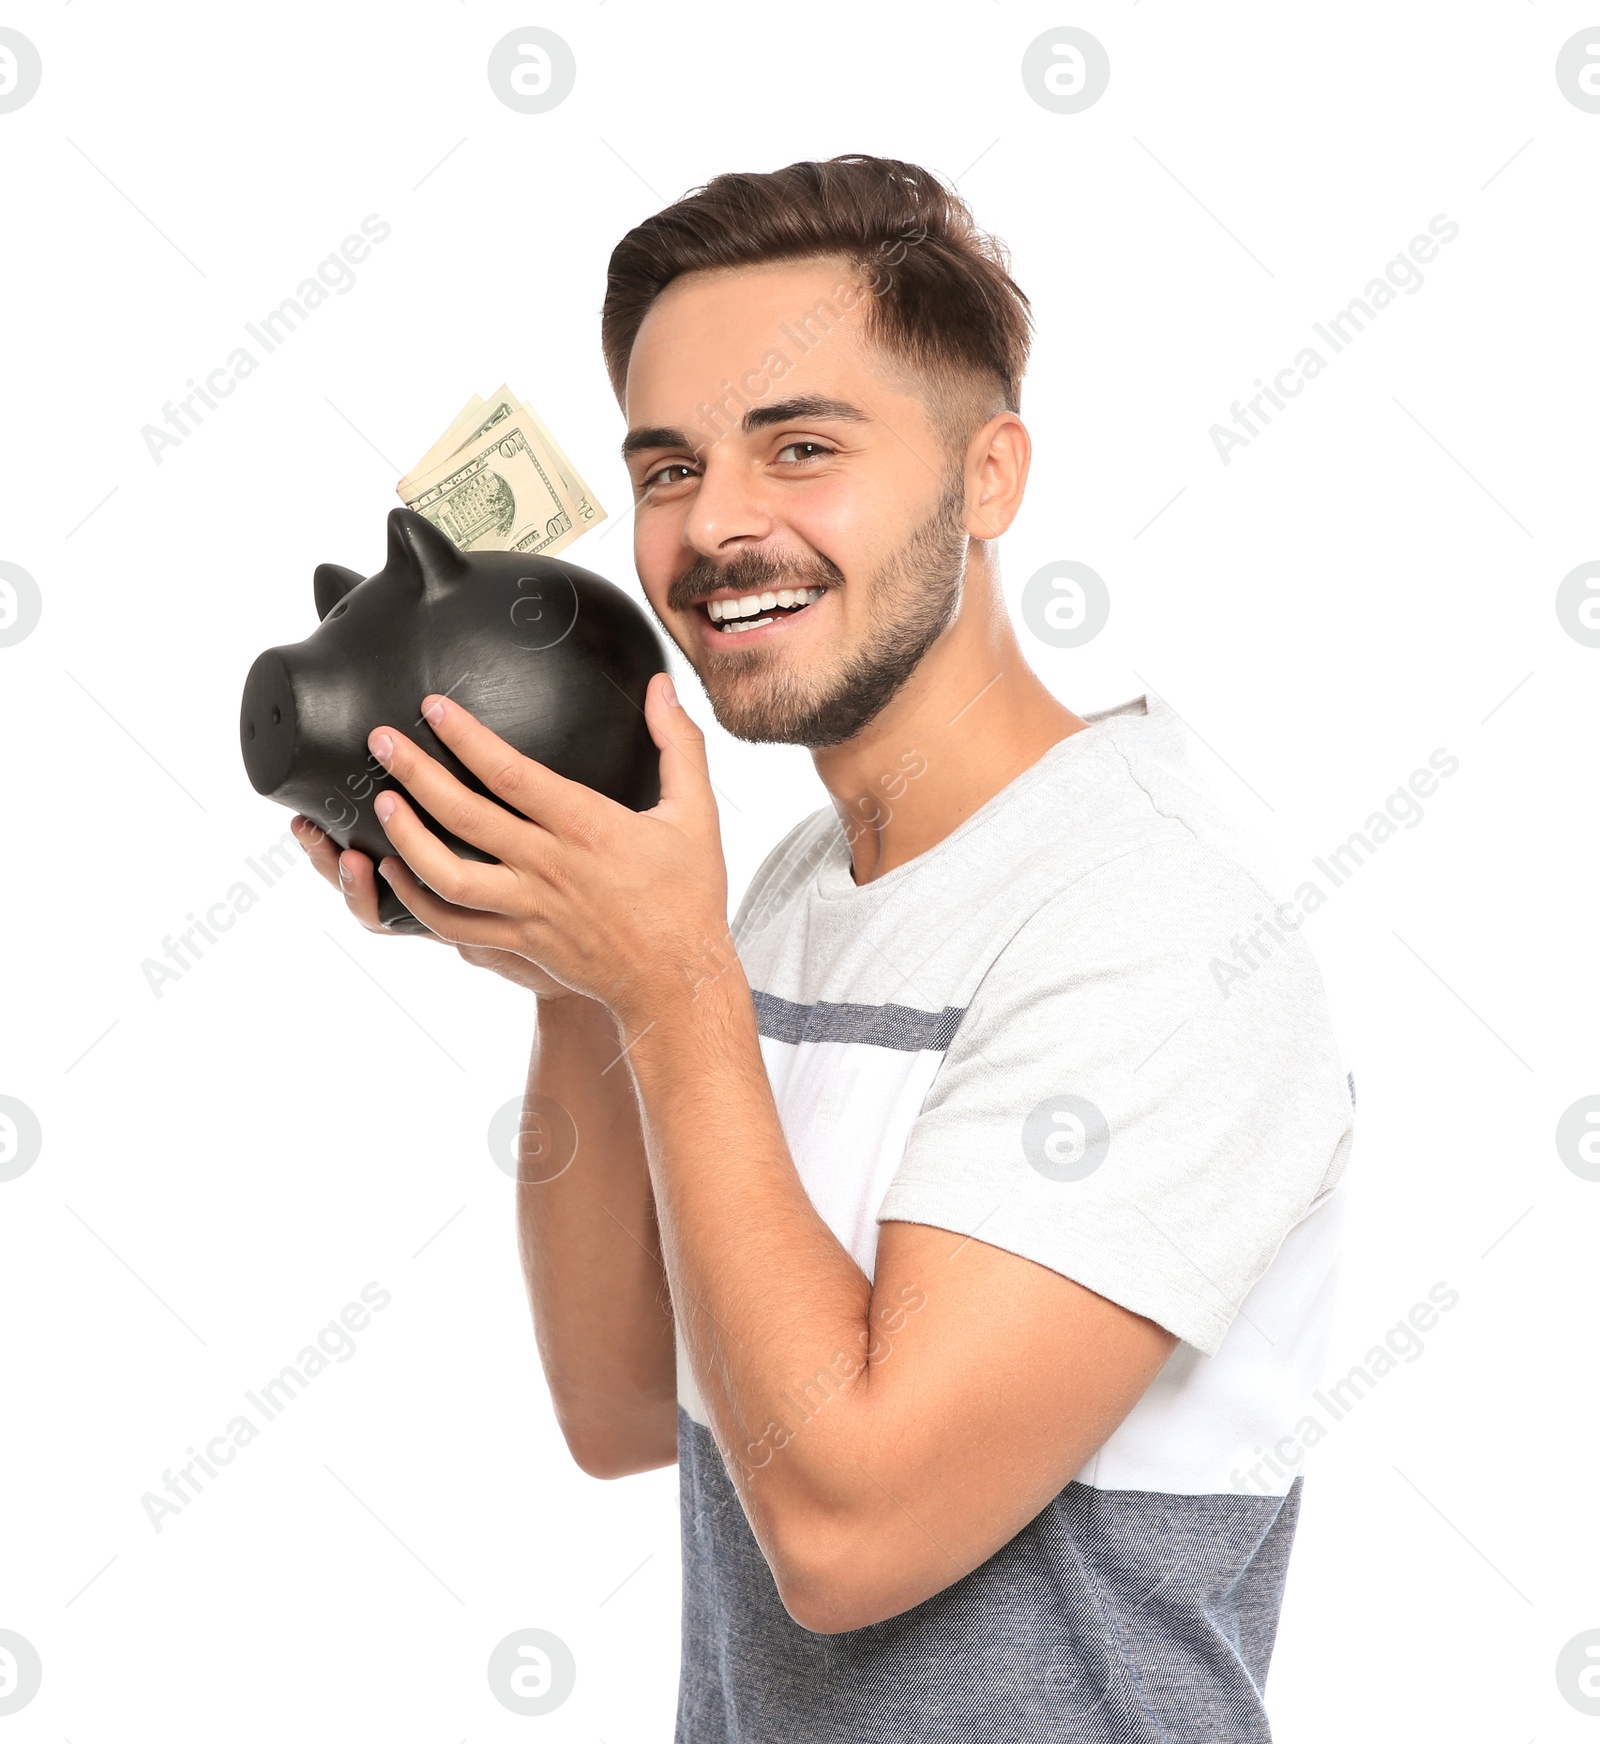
point(941, 298)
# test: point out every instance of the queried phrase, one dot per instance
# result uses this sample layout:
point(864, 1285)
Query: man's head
point(821, 373)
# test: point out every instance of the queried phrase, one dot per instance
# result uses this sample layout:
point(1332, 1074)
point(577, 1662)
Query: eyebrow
point(756, 418)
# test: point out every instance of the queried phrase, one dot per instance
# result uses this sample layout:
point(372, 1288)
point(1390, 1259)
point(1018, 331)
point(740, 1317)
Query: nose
point(267, 723)
point(729, 510)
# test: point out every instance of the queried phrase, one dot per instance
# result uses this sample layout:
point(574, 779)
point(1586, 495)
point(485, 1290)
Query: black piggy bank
point(554, 659)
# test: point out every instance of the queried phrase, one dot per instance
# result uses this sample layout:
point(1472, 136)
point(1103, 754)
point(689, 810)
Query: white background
point(224, 1167)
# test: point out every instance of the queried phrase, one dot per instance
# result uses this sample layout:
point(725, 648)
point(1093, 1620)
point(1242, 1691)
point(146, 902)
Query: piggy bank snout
point(268, 723)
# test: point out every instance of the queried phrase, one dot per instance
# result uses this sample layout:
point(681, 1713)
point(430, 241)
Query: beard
point(915, 594)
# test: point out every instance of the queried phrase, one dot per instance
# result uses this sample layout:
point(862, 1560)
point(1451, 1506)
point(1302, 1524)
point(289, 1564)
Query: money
point(497, 480)
point(459, 428)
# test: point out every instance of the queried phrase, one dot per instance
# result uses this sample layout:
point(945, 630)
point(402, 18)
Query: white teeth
point(721, 611)
point(745, 624)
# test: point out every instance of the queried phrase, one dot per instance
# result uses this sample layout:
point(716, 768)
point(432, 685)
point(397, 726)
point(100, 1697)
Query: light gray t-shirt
point(1079, 1029)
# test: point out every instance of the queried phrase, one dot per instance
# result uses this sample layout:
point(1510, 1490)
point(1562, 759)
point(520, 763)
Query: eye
point(659, 476)
point(818, 450)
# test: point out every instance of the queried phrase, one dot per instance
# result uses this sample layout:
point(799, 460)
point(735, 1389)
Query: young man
point(996, 1224)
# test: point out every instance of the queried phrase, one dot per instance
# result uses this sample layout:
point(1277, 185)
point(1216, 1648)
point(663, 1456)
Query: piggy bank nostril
point(268, 722)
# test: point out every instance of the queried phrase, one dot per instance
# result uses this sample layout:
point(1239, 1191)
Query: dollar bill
point(459, 428)
point(499, 406)
point(500, 493)
point(585, 505)
point(497, 480)
point(479, 416)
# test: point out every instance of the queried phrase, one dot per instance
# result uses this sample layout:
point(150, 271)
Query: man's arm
point(591, 1256)
point(886, 1437)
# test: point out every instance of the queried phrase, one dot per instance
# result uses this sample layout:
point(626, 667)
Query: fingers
point(350, 872)
point(321, 849)
point(531, 788)
point(461, 811)
point(449, 921)
point(685, 775)
point(358, 883)
point(466, 884)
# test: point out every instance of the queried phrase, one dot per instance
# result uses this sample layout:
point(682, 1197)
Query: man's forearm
point(764, 1292)
point(590, 1251)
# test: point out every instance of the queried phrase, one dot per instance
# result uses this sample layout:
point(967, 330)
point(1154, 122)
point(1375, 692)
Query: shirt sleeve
point(1143, 1094)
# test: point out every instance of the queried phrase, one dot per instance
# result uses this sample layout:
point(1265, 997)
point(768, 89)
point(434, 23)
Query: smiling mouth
point(734, 616)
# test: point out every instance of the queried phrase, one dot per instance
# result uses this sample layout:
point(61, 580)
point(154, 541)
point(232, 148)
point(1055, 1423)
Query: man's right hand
point(353, 875)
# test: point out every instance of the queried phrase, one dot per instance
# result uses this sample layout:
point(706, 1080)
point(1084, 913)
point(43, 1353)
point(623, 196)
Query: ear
point(418, 548)
point(330, 584)
point(1002, 452)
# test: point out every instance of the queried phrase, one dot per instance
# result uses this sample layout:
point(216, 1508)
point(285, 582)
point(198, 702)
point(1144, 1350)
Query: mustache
point(751, 572)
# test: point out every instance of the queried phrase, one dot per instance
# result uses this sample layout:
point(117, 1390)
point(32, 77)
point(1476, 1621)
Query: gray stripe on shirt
point(1112, 1617)
point(902, 1027)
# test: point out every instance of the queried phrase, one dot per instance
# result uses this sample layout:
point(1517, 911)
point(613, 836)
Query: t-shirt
point(1080, 1029)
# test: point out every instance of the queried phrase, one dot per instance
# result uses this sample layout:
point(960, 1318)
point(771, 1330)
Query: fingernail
point(381, 745)
point(346, 872)
point(384, 871)
point(672, 695)
point(383, 805)
point(433, 710)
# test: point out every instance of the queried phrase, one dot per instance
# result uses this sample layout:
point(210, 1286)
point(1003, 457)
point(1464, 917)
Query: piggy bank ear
point(330, 584)
point(418, 549)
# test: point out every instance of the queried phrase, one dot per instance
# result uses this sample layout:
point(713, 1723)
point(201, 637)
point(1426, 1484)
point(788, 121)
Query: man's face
point(780, 461)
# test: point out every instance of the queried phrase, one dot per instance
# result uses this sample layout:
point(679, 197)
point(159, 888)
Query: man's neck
point(967, 723)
